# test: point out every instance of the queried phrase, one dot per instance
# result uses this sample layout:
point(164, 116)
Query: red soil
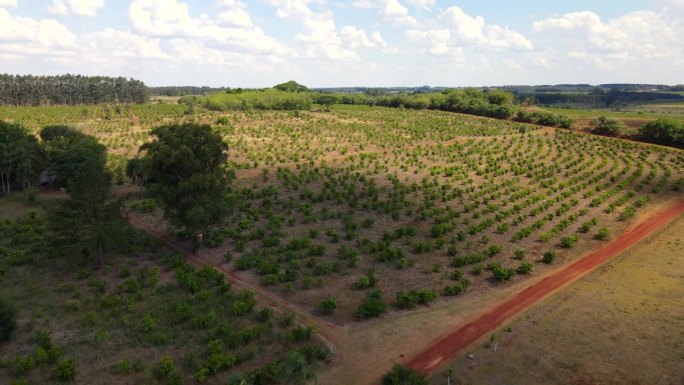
point(449, 346)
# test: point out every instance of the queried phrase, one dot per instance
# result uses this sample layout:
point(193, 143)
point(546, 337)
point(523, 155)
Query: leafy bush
point(603, 234)
point(365, 281)
point(144, 206)
point(568, 241)
point(607, 126)
point(402, 375)
point(501, 273)
point(407, 300)
point(548, 257)
point(663, 130)
point(454, 290)
point(65, 371)
point(7, 320)
point(524, 268)
point(627, 213)
point(328, 305)
point(373, 307)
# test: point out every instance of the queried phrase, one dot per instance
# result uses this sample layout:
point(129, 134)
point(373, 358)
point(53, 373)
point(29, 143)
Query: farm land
point(356, 212)
point(596, 331)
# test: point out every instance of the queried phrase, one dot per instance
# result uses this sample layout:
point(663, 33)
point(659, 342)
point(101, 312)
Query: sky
point(338, 43)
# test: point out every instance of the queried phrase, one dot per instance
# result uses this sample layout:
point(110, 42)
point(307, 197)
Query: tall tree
point(137, 170)
point(21, 156)
point(188, 176)
point(30, 160)
point(89, 220)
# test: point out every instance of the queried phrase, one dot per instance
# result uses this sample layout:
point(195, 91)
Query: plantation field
point(147, 316)
point(621, 324)
point(421, 206)
point(351, 213)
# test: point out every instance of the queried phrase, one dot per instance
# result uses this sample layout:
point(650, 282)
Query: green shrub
point(454, 290)
point(524, 268)
point(65, 371)
point(627, 213)
point(124, 367)
point(603, 234)
point(7, 320)
point(501, 273)
point(402, 375)
point(607, 126)
point(165, 370)
point(373, 307)
point(365, 281)
point(328, 305)
point(568, 241)
point(548, 257)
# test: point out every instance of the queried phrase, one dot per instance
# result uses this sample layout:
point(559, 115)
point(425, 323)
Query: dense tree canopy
point(21, 157)
point(291, 86)
point(187, 174)
point(664, 131)
point(88, 221)
point(69, 150)
point(29, 90)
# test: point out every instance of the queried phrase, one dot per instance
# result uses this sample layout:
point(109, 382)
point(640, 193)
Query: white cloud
point(355, 38)
point(391, 10)
point(113, 44)
point(8, 3)
point(377, 39)
point(235, 18)
point(76, 7)
point(424, 4)
point(24, 35)
point(473, 31)
point(162, 18)
point(634, 35)
point(395, 12)
point(319, 32)
point(455, 32)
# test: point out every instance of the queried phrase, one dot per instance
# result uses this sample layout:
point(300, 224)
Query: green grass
point(645, 111)
point(17, 204)
point(118, 322)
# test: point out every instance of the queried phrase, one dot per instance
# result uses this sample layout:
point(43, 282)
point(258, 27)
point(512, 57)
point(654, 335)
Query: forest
point(29, 90)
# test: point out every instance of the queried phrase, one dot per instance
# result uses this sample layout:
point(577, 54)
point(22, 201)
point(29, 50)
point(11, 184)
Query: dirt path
point(449, 346)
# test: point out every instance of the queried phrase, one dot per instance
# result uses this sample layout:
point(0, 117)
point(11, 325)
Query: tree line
point(492, 103)
point(29, 90)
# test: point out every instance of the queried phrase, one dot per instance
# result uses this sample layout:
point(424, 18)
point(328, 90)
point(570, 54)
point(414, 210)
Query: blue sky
point(323, 43)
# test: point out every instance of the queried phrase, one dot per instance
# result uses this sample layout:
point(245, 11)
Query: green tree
point(30, 159)
point(10, 137)
point(187, 173)
point(137, 170)
point(607, 126)
point(663, 130)
point(7, 322)
point(89, 221)
point(291, 86)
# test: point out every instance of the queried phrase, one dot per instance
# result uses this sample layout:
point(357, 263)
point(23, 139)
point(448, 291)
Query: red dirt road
point(449, 346)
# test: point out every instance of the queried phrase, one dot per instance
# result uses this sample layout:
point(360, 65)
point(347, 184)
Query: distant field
point(622, 324)
point(641, 112)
